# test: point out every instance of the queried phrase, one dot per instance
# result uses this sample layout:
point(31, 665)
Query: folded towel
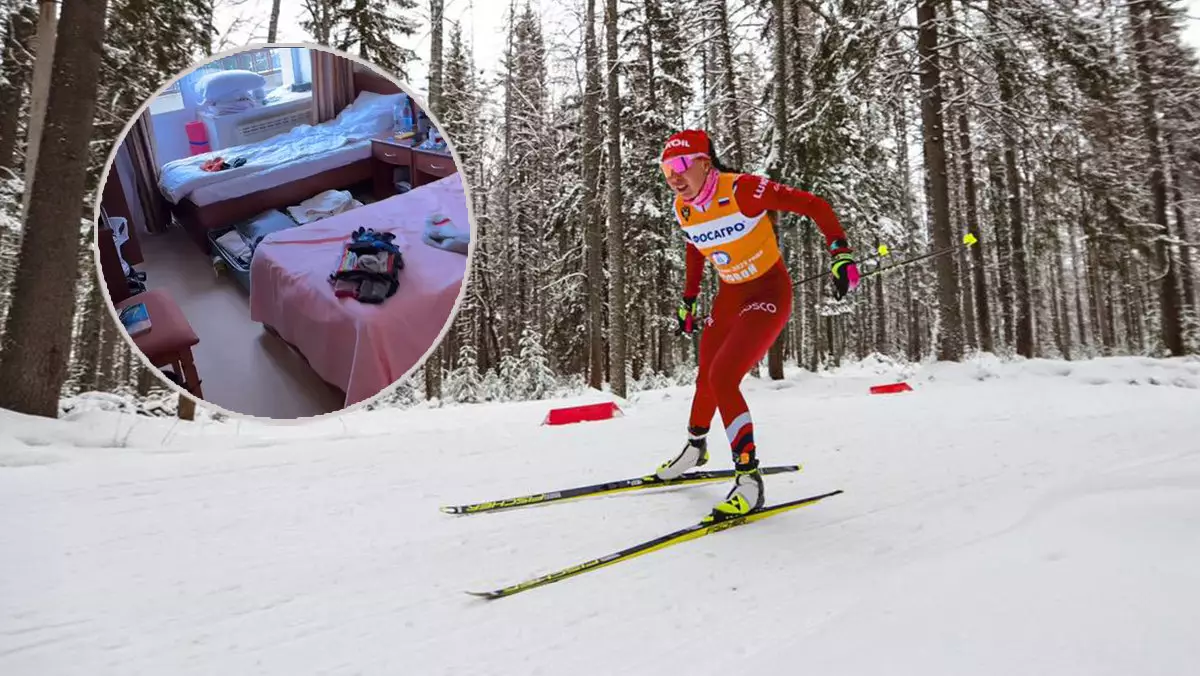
point(237, 247)
point(323, 205)
point(443, 233)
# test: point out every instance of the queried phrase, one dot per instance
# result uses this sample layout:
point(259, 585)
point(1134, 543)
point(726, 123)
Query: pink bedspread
point(359, 347)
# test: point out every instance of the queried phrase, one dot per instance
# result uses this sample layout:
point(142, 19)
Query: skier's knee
point(723, 380)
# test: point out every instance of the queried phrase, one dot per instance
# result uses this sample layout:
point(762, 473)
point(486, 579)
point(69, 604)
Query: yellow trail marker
point(969, 239)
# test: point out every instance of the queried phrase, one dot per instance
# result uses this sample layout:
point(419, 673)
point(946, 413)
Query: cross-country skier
point(724, 217)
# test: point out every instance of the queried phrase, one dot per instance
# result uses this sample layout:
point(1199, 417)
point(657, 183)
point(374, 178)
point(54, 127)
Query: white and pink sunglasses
point(680, 163)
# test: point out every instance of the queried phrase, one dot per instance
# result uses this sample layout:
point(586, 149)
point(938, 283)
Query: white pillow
point(228, 85)
point(370, 113)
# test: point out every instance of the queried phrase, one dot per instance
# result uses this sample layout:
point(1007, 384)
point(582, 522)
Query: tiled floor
point(243, 368)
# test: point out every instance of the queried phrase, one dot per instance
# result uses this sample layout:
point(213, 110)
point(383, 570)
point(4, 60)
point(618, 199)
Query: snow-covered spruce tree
point(511, 378)
point(492, 387)
point(654, 98)
point(19, 24)
point(376, 29)
point(463, 384)
point(372, 29)
point(536, 377)
point(10, 240)
point(403, 394)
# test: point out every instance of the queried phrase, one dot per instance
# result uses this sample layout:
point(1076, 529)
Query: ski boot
point(746, 496)
point(694, 454)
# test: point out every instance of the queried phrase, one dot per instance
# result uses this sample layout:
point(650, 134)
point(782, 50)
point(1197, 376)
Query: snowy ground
point(1030, 518)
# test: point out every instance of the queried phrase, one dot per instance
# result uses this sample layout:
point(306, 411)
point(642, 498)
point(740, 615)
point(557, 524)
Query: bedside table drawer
point(434, 164)
point(391, 154)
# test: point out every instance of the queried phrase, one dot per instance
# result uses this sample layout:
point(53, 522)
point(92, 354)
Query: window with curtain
point(288, 71)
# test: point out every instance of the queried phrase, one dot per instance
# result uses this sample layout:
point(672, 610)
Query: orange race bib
point(740, 247)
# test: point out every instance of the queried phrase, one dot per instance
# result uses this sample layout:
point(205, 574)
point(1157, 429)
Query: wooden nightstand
point(424, 166)
point(388, 153)
point(430, 165)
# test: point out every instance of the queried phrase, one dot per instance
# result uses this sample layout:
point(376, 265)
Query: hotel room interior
point(237, 195)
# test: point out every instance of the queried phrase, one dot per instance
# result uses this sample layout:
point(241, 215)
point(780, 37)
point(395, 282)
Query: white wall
point(170, 133)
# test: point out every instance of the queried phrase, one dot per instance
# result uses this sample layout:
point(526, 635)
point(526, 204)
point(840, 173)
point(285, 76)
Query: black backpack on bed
point(370, 267)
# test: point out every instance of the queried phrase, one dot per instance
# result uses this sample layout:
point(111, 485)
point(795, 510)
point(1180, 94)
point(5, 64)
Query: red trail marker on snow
point(585, 413)
point(890, 389)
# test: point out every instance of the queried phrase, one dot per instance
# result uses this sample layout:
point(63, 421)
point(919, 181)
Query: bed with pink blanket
point(362, 348)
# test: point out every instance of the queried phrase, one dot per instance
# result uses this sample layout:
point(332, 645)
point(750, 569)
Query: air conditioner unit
point(258, 124)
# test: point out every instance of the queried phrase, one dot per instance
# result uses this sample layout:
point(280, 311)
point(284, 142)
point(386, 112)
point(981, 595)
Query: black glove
point(687, 315)
point(843, 268)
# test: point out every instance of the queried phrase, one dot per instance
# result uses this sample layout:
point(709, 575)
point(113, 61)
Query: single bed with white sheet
point(283, 170)
point(359, 347)
point(303, 151)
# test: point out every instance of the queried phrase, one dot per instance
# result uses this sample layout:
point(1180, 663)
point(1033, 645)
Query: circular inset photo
point(283, 232)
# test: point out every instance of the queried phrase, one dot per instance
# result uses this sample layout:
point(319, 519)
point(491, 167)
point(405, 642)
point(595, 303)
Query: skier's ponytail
point(716, 161)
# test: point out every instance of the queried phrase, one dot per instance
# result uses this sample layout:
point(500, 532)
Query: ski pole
point(968, 239)
point(880, 253)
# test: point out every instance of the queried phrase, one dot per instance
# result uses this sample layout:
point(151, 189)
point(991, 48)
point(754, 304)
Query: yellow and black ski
point(705, 527)
point(607, 488)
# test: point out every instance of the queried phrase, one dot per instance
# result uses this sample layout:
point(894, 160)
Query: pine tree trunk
point(729, 98)
point(779, 142)
point(1023, 310)
point(1172, 326)
point(37, 339)
point(880, 342)
point(88, 356)
point(106, 379)
point(954, 185)
point(146, 381)
point(435, 56)
point(590, 209)
point(8, 254)
point(661, 300)
point(1081, 271)
point(1102, 302)
point(14, 76)
point(1124, 326)
point(910, 310)
point(950, 334)
point(1081, 265)
point(323, 19)
point(1034, 256)
point(616, 244)
point(1003, 248)
point(1187, 270)
point(982, 312)
point(808, 305)
point(127, 365)
point(273, 25)
point(43, 66)
point(1061, 301)
point(433, 377)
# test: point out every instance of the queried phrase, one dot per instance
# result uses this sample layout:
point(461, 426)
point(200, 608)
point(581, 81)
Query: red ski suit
point(754, 298)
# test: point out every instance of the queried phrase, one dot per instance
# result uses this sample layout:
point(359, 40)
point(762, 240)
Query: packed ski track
point(1006, 518)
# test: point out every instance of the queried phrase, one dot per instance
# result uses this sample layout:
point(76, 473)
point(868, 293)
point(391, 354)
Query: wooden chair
point(169, 342)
